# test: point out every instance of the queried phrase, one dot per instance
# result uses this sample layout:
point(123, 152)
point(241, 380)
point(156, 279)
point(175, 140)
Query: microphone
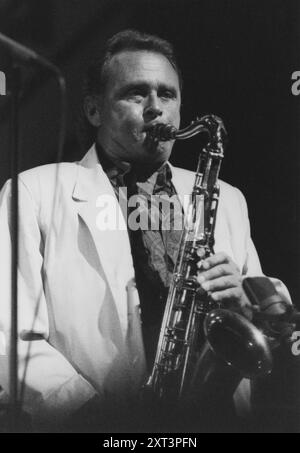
point(275, 399)
point(272, 308)
point(24, 54)
point(262, 293)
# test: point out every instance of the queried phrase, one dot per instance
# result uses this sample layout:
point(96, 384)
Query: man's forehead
point(135, 64)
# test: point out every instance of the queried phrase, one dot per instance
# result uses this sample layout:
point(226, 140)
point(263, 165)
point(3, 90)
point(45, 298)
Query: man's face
point(142, 89)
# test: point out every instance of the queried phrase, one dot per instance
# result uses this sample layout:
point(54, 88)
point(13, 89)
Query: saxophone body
point(200, 340)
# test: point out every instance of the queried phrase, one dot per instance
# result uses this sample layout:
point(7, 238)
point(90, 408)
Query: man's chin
point(155, 148)
point(155, 154)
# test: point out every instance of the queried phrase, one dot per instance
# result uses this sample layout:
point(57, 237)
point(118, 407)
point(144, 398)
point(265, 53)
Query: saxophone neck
point(211, 124)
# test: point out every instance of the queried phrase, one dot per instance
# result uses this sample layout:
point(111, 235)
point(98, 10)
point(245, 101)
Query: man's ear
point(91, 106)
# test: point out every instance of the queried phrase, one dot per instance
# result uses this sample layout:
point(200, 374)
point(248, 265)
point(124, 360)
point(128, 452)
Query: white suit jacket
point(73, 277)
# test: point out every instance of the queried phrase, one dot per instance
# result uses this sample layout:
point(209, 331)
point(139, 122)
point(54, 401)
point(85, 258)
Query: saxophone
point(196, 333)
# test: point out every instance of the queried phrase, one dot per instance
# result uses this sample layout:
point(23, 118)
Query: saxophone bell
point(238, 342)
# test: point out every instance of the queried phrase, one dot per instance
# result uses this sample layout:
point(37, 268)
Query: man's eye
point(168, 94)
point(135, 94)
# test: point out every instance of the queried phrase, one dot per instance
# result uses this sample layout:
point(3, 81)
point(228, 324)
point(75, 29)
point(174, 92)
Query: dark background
point(237, 59)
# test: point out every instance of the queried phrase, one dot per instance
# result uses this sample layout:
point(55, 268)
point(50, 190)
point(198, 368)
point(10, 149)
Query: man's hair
point(97, 73)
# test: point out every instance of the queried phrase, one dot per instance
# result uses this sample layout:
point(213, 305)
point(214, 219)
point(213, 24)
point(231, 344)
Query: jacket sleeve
point(52, 387)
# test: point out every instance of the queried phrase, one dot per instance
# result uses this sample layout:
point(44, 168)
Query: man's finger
point(216, 272)
point(231, 299)
point(221, 283)
point(214, 260)
point(230, 296)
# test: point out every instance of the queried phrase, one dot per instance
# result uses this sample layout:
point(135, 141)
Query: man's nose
point(152, 109)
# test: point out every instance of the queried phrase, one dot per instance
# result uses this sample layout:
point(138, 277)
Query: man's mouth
point(149, 127)
point(151, 140)
point(151, 143)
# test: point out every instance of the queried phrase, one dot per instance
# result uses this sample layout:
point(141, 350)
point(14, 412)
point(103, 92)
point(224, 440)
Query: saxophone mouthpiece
point(162, 132)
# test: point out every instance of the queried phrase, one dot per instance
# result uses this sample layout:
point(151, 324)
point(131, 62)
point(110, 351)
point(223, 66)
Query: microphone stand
point(24, 55)
point(15, 80)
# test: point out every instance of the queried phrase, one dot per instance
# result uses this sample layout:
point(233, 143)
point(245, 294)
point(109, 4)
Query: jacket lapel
point(96, 202)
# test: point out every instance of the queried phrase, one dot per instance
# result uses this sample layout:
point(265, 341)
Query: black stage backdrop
point(237, 58)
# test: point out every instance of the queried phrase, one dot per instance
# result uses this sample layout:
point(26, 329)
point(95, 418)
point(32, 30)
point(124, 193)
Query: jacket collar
point(92, 180)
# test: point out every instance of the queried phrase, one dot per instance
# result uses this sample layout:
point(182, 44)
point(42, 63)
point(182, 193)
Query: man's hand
point(221, 278)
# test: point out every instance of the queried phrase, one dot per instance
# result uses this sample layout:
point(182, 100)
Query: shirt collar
point(126, 174)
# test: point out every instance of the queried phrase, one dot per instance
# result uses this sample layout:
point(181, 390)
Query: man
point(81, 345)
